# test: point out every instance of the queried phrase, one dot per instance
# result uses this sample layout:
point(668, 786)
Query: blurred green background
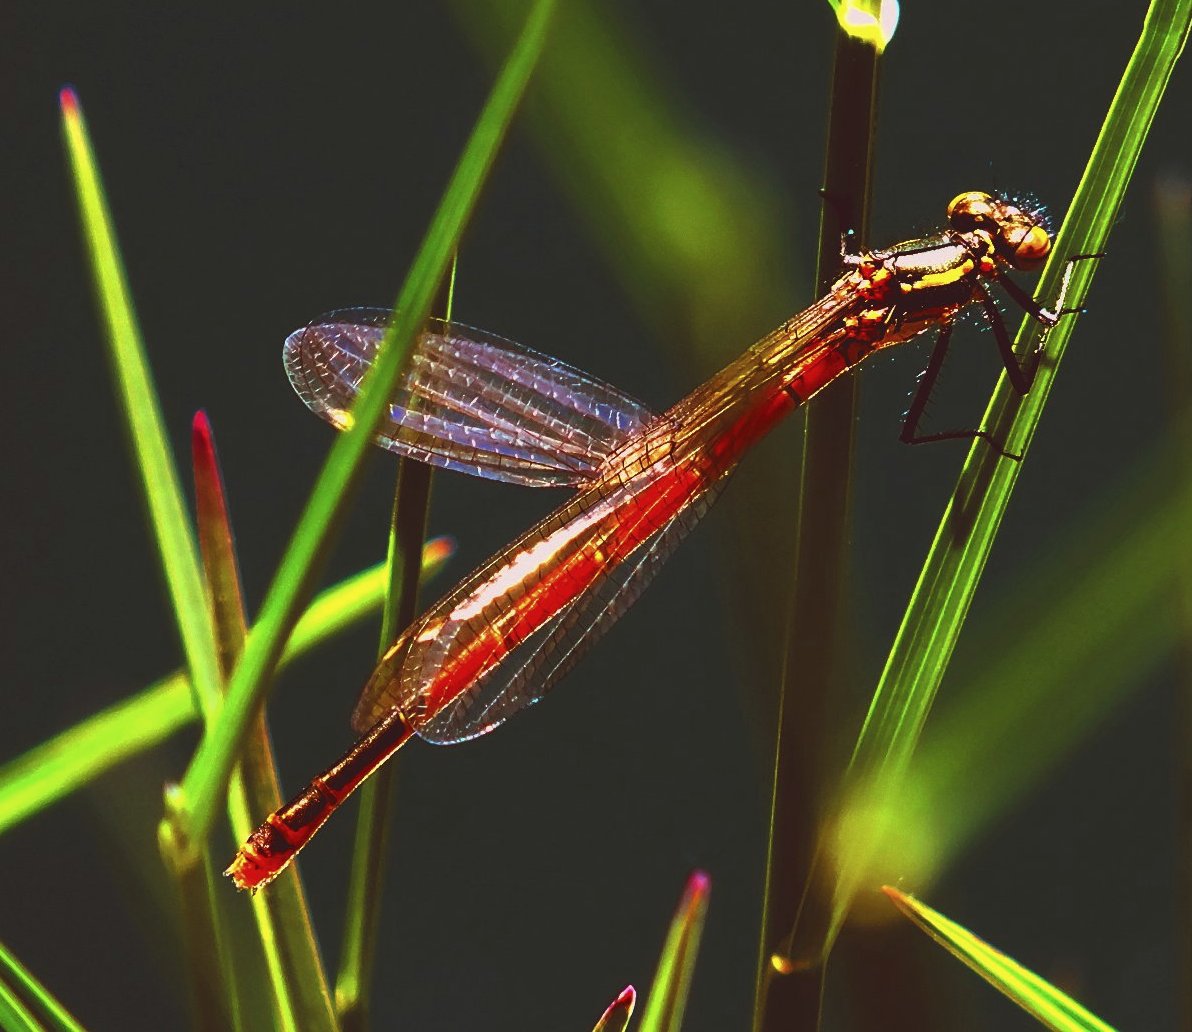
point(654, 212)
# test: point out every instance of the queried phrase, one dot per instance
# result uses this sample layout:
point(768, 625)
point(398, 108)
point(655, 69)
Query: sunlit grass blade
point(14, 1015)
point(47, 772)
point(616, 1016)
point(138, 398)
point(24, 999)
point(1033, 994)
point(193, 808)
point(667, 1000)
point(214, 1006)
point(300, 994)
point(932, 622)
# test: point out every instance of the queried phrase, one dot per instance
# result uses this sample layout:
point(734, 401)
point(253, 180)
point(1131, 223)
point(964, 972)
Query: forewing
point(468, 400)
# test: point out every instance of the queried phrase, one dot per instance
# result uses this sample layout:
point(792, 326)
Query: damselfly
point(476, 403)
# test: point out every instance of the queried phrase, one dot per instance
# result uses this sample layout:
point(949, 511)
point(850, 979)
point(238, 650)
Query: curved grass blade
point(616, 1016)
point(946, 585)
point(47, 772)
point(138, 398)
point(672, 981)
point(192, 809)
point(1033, 994)
point(24, 998)
point(300, 995)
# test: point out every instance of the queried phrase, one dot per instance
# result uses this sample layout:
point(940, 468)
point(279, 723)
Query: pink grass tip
point(698, 884)
point(68, 102)
point(627, 998)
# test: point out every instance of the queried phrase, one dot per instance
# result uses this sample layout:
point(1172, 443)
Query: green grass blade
point(932, 622)
point(616, 1016)
point(208, 773)
point(159, 477)
point(47, 772)
point(300, 994)
point(14, 1015)
point(672, 981)
point(1033, 994)
point(23, 995)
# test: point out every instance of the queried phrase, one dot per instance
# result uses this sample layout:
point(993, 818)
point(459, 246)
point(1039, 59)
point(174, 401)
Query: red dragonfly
point(474, 402)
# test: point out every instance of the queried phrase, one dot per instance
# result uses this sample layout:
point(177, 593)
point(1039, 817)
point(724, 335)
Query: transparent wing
point(548, 654)
point(468, 401)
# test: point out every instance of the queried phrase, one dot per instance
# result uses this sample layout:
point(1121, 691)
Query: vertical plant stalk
point(1173, 211)
point(407, 534)
point(956, 559)
point(300, 995)
point(812, 666)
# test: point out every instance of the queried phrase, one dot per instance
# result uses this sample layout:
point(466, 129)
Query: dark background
point(264, 166)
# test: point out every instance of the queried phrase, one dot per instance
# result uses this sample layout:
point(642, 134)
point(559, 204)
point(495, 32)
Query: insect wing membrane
point(550, 653)
point(468, 400)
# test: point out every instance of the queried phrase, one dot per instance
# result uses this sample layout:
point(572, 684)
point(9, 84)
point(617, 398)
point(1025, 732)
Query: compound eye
point(970, 210)
point(1028, 249)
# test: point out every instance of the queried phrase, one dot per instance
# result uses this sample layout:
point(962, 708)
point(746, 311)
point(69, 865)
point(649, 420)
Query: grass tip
point(627, 997)
point(68, 101)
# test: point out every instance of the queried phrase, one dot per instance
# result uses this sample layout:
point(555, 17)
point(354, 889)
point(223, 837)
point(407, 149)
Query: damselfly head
point(1018, 237)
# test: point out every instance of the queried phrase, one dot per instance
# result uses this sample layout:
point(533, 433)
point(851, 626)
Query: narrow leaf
point(22, 994)
point(159, 477)
point(1033, 994)
point(47, 772)
point(667, 1001)
point(616, 1016)
point(300, 994)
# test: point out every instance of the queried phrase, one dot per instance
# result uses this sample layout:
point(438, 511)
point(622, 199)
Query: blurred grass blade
point(932, 622)
point(617, 1014)
point(207, 776)
point(695, 235)
point(1035, 689)
point(138, 399)
point(1173, 211)
point(47, 772)
point(868, 21)
point(24, 998)
point(300, 994)
point(672, 981)
point(1035, 995)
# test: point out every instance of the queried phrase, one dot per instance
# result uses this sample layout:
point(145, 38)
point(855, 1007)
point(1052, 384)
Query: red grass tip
point(699, 883)
point(68, 101)
point(201, 424)
point(627, 998)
